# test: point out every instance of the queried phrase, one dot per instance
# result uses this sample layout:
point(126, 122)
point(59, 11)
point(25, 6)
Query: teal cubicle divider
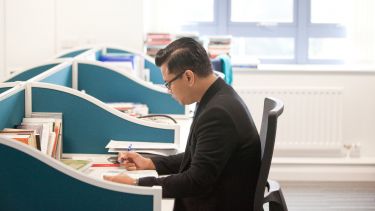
point(155, 73)
point(3, 89)
point(115, 50)
point(27, 183)
point(111, 86)
point(88, 127)
point(28, 74)
point(73, 53)
point(12, 108)
point(31, 180)
point(63, 77)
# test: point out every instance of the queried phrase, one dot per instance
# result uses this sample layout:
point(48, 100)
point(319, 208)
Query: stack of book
point(219, 45)
point(42, 131)
point(156, 41)
point(192, 35)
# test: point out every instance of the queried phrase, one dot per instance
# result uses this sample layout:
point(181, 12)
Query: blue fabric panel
point(63, 77)
point(29, 184)
point(88, 128)
point(114, 50)
point(155, 73)
point(97, 55)
point(4, 89)
point(73, 54)
point(26, 75)
point(109, 86)
point(12, 111)
point(226, 68)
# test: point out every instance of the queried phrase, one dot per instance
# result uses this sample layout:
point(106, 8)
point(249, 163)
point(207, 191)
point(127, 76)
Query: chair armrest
point(274, 196)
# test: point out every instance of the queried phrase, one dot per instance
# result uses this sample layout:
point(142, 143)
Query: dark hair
point(183, 54)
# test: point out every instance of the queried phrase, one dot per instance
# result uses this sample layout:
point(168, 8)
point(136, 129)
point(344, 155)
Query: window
point(284, 31)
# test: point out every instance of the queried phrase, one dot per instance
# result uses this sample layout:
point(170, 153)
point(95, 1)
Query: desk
point(97, 172)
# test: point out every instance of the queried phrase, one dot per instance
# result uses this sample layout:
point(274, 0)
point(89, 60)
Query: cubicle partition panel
point(3, 89)
point(89, 124)
point(118, 50)
point(32, 72)
point(155, 72)
point(91, 54)
point(148, 63)
point(73, 53)
point(59, 75)
point(8, 85)
point(12, 107)
point(32, 180)
point(111, 85)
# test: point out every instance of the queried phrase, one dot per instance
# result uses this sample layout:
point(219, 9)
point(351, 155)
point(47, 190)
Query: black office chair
point(271, 111)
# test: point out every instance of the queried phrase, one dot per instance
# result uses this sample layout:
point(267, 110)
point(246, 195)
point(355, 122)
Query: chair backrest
point(223, 64)
point(272, 109)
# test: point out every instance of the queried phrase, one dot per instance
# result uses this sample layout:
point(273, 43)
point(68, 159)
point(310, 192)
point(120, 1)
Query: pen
point(121, 160)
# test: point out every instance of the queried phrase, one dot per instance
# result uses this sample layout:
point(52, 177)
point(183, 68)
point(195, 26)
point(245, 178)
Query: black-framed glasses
point(168, 84)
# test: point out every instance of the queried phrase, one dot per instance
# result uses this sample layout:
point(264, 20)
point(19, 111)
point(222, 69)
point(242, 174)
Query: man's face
point(176, 85)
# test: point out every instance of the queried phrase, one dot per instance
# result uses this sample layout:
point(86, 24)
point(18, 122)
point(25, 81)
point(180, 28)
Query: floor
point(322, 196)
point(328, 196)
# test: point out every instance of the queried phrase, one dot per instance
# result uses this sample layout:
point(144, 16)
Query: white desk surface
point(97, 172)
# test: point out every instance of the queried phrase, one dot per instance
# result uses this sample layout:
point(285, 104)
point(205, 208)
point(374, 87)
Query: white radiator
point(311, 124)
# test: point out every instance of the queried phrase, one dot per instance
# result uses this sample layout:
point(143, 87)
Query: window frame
point(301, 29)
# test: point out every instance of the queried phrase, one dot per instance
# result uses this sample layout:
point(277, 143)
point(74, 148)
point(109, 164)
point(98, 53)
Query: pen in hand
point(120, 158)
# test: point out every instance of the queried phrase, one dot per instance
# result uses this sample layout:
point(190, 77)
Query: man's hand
point(134, 161)
point(121, 178)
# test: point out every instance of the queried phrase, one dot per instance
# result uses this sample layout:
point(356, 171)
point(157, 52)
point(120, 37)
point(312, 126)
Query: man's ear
point(190, 76)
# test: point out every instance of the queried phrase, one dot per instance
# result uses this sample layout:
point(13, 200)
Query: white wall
point(37, 30)
point(358, 97)
point(29, 33)
point(87, 22)
point(2, 43)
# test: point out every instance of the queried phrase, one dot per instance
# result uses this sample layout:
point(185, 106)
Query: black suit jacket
point(220, 165)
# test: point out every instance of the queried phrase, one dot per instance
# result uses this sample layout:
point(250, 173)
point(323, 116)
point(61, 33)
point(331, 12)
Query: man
point(220, 165)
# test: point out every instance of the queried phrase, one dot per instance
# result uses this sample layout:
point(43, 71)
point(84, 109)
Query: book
point(80, 165)
point(27, 137)
point(56, 151)
point(139, 145)
point(162, 152)
point(42, 131)
point(133, 109)
point(133, 174)
point(46, 125)
point(23, 138)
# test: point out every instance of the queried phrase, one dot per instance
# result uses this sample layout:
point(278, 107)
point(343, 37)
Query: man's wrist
point(136, 181)
point(151, 165)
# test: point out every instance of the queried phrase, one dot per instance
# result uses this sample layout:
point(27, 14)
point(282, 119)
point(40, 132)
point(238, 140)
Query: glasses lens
point(167, 85)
